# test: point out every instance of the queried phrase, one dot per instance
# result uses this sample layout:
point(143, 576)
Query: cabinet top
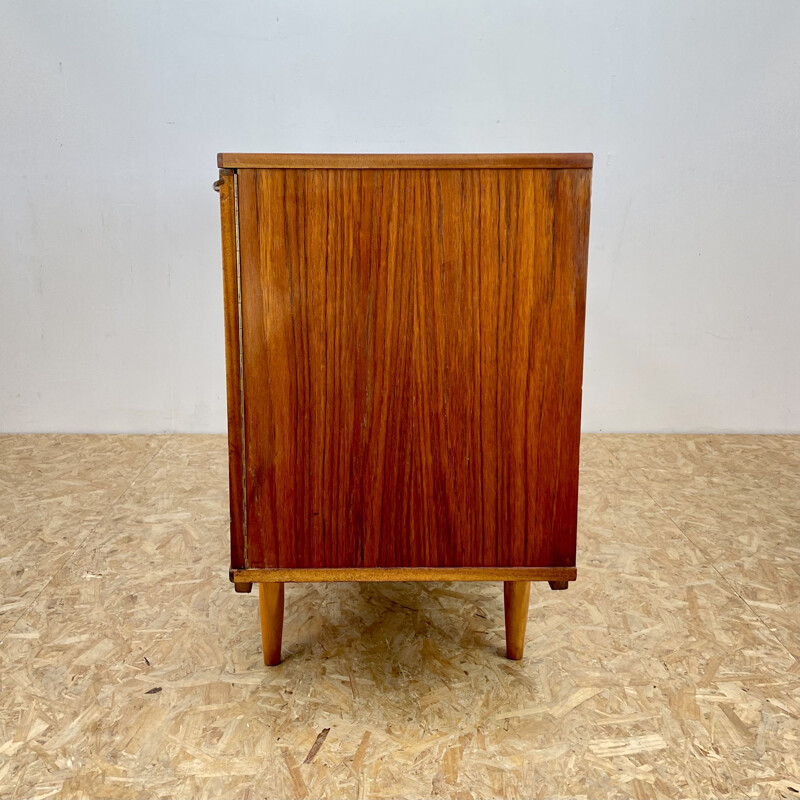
point(405, 161)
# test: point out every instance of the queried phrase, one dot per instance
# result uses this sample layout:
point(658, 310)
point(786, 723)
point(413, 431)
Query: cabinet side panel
point(230, 285)
point(412, 345)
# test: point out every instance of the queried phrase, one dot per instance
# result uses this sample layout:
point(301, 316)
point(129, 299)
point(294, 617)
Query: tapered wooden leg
point(270, 603)
point(558, 584)
point(516, 595)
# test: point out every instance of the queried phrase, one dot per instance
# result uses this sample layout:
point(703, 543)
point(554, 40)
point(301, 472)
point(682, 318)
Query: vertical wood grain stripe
point(230, 282)
point(413, 343)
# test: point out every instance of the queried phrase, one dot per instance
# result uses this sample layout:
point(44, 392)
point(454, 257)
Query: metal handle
point(217, 184)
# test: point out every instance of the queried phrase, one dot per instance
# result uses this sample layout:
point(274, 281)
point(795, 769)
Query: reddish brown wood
point(412, 359)
point(230, 285)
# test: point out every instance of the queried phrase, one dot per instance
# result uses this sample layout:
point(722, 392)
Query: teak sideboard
point(404, 340)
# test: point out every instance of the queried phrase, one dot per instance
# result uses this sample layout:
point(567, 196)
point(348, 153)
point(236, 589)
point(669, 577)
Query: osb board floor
point(130, 668)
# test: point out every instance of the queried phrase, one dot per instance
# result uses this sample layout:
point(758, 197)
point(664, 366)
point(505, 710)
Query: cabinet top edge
point(405, 161)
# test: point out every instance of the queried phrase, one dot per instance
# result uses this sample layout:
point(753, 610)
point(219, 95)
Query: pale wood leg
point(270, 603)
point(558, 584)
point(516, 595)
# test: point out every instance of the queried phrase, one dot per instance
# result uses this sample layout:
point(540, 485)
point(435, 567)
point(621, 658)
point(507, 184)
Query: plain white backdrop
point(113, 112)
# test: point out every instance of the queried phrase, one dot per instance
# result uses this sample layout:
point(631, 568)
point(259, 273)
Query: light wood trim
point(406, 161)
point(516, 595)
point(300, 575)
point(270, 604)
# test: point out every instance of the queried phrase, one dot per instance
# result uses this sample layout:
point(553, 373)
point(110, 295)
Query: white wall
point(113, 112)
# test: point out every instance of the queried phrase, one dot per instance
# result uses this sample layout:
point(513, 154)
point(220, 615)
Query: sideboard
point(404, 346)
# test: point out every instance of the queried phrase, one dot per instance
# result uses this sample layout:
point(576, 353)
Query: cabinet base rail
point(370, 574)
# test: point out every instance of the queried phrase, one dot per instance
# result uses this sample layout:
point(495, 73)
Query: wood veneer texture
point(412, 345)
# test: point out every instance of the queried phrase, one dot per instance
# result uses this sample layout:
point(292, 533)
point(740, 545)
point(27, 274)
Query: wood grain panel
point(412, 359)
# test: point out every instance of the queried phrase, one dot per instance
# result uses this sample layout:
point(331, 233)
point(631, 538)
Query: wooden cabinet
point(404, 340)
